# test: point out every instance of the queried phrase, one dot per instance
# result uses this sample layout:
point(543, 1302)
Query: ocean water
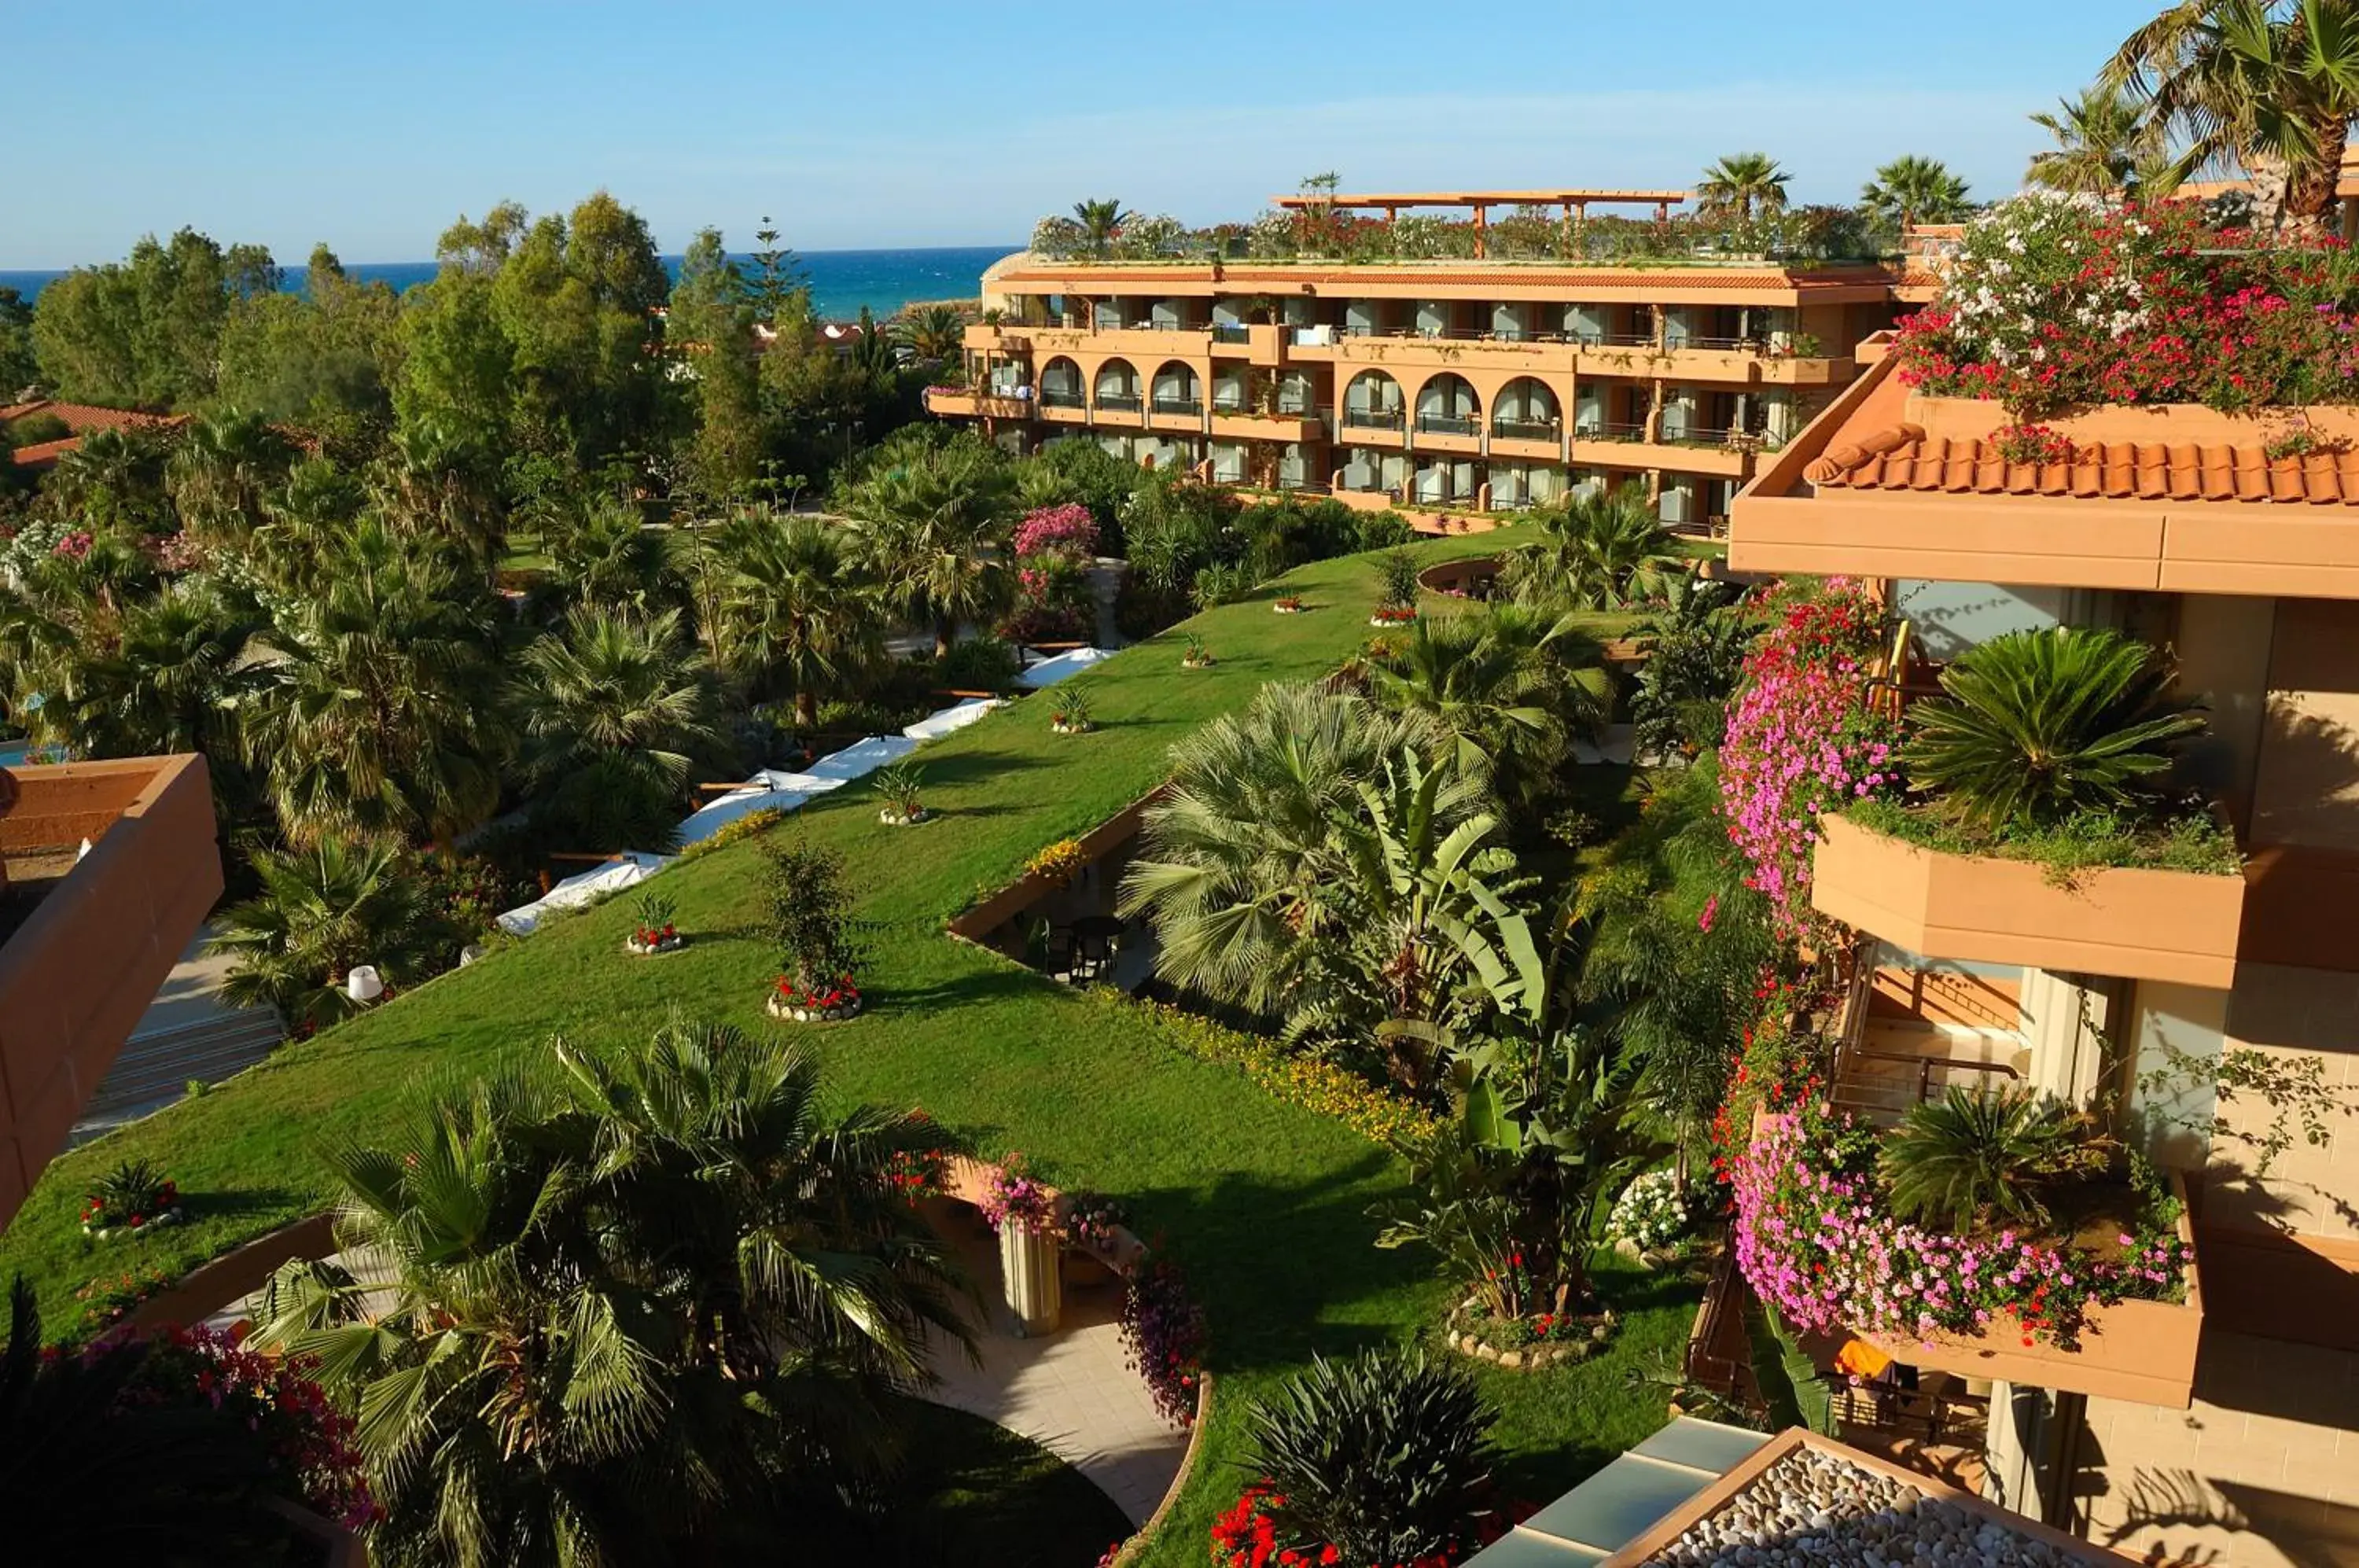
point(843, 281)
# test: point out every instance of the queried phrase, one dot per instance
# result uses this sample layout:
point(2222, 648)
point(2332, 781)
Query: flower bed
point(1815, 1241)
point(1290, 605)
point(1246, 1537)
point(1653, 1216)
point(315, 1446)
point(1314, 1084)
point(1532, 1343)
point(815, 1004)
point(648, 941)
point(129, 1200)
point(1392, 616)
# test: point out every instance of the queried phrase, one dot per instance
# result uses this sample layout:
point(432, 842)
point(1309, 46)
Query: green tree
point(165, 683)
point(1911, 190)
point(799, 616)
point(777, 283)
point(2105, 145)
point(20, 368)
point(710, 335)
point(1100, 219)
point(1603, 550)
point(2251, 83)
point(933, 333)
point(224, 466)
point(934, 526)
point(325, 359)
point(457, 359)
point(146, 332)
point(322, 912)
point(1740, 184)
point(1510, 686)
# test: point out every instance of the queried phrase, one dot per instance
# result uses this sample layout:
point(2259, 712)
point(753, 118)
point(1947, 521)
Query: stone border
point(1137, 1543)
point(1541, 1355)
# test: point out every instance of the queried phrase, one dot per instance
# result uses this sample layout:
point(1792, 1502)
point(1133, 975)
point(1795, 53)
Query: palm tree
point(608, 556)
point(1911, 190)
point(165, 684)
point(665, 1297)
point(2251, 83)
point(612, 708)
point(321, 911)
point(1102, 219)
point(1603, 550)
point(114, 478)
point(226, 463)
point(798, 614)
point(2105, 146)
point(374, 710)
point(933, 333)
point(1509, 685)
point(1741, 182)
point(934, 527)
point(435, 483)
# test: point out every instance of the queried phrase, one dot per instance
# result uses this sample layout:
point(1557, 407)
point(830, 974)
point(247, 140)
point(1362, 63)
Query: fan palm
point(374, 711)
point(934, 528)
point(1603, 550)
point(1975, 1156)
point(612, 709)
point(1102, 219)
point(114, 478)
point(1740, 184)
point(799, 616)
point(932, 332)
point(225, 464)
point(2037, 727)
point(2105, 145)
point(1911, 190)
point(608, 556)
point(1510, 685)
point(164, 685)
point(2253, 84)
point(321, 911)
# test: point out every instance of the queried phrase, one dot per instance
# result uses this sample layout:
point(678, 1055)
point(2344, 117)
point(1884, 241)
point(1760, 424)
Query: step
point(153, 1070)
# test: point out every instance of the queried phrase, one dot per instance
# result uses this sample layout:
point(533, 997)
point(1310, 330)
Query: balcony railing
point(1373, 419)
point(1188, 406)
point(1526, 430)
point(1049, 399)
point(1121, 402)
point(1230, 332)
point(1600, 430)
point(1301, 487)
point(1726, 345)
point(1448, 425)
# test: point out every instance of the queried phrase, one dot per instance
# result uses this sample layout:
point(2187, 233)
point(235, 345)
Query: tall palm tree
point(1911, 190)
point(799, 616)
point(613, 707)
point(2102, 140)
point(374, 710)
point(1741, 182)
point(165, 684)
point(934, 526)
point(1102, 219)
point(226, 463)
point(2251, 83)
point(608, 556)
point(114, 478)
point(1510, 685)
point(321, 911)
point(430, 480)
point(932, 332)
point(616, 1315)
point(1603, 550)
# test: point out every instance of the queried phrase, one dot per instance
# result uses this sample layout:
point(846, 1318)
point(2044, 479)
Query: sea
point(843, 281)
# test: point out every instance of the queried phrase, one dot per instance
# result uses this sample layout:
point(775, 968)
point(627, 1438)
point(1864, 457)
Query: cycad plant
point(1387, 1457)
point(1975, 1157)
point(2035, 728)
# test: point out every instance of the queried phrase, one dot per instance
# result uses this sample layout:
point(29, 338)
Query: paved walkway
point(1071, 1392)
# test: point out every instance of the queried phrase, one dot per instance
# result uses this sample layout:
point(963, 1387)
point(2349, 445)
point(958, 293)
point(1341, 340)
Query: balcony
point(2177, 926)
point(1628, 446)
point(89, 937)
point(1230, 332)
point(949, 402)
point(1542, 439)
point(1282, 425)
point(1190, 408)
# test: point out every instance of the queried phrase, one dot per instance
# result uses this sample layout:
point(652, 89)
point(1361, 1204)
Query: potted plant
point(811, 915)
point(1069, 715)
point(653, 932)
point(900, 787)
point(130, 1200)
point(1023, 1211)
point(1289, 604)
point(1197, 657)
point(1093, 1231)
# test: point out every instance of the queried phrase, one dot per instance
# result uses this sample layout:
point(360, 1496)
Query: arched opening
point(1446, 405)
point(1061, 384)
point(1372, 401)
point(1118, 386)
point(1177, 390)
point(1526, 409)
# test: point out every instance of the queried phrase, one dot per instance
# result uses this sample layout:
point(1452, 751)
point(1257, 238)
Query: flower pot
point(1061, 727)
point(1289, 609)
point(1197, 663)
point(1029, 1277)
point(127, 1231)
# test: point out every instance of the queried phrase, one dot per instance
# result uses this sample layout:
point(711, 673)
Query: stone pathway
point(1071, 1392)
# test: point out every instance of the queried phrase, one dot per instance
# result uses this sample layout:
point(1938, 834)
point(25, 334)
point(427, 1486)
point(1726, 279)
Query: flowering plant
point(1069, 711)
point(1775, 1065)
point(917, 1173)
point(1060, 862)
point(1012, 1196)
point(131, 1197)
point(653, 927)
point(1289, 604)
point(1816, 1240)
point(106, 1303)
point(1800, 741)
point(1163, 1335)
point(2036, 445)
point(279, 1400)
point(1652, 1211)
point(74, 546)
point(818, 997)
point(1246, 1537)
point(1092, 1220)
point(1067, 531)
point(1392, 615)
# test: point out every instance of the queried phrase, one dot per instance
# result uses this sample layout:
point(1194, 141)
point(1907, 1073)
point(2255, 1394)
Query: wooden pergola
point(1575, 203)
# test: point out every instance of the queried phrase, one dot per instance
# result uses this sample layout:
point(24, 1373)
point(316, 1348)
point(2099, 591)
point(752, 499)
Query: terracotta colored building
point(2222, 1428)
point(110, 867)
point(1470, 385)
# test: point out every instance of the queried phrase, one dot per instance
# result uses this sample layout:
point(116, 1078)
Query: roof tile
point(1904, 457)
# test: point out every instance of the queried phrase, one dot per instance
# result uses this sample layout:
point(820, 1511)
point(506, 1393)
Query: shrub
point(1222, 585)
point(134, 1195)
point(1396, 571)
point(652, 919)
point(902, 788)
point(1380, 530)
point(1068, 530)
point(1387, 1457)
point(737, 830)
point(1069, 708)
point(2037, 727)
point(981, 664)
point(1652, 1211)
point(1141, 608)
point(1974, 1156)
point(1310, 1082)
point(811, 915)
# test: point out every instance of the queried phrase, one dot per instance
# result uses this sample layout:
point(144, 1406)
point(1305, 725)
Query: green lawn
point(1265, 1205)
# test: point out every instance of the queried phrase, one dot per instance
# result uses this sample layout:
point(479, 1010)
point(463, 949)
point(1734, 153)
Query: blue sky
point(371, 126)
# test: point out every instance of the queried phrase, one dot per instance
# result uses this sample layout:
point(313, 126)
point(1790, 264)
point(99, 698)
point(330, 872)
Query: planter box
point(2139, 1351)
point(2146, 925)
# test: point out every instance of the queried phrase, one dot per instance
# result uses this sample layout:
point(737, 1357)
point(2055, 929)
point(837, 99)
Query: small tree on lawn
point(811, 915)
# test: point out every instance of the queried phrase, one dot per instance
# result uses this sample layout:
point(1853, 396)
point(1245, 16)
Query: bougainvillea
point(1068, 530)
point(2057, 301)
point(1801, 740)
point(1815, 1241)
point(1163, 1335)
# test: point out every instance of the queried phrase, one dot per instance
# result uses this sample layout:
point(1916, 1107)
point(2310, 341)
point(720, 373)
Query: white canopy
point(864, 757)
point(769, 790)
point(1048, 672)
point(933, 726)
point(626, 870)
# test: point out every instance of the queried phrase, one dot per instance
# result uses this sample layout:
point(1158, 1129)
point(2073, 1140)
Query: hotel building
point(1462, 385)
point(2224, 1428)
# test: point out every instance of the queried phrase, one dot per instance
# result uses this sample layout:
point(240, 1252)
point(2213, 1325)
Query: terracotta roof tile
point(1904, 457)
point(83, 418)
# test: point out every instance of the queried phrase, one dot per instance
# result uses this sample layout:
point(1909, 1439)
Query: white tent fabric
point(933, 726)
point(769, 790)
point(599, 881)
point(1048, 672)
point(861, 759)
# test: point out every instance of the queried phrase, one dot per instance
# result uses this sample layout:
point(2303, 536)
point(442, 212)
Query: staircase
point(153, 1070)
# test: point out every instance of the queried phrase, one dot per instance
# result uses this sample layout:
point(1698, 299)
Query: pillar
point(2063, 1019)
point(1029, 1277)
point(2030, 1450)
